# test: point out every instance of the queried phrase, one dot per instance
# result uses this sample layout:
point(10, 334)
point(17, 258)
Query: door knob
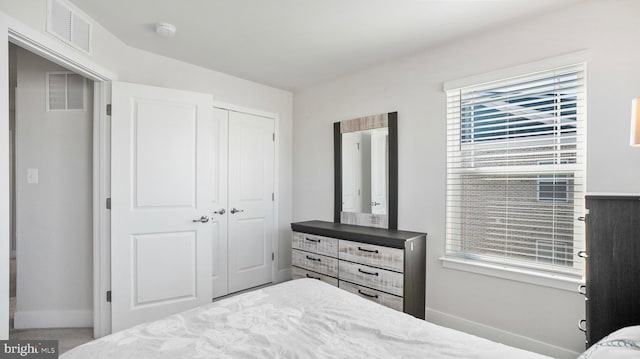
point(235, 210)
point(203, 219)
point(221, 211)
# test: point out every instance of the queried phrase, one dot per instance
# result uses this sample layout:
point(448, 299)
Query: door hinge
point(273, 256)
point(274, 137)
point(109, 203)
point(273, 197)
point(109, 296)
point(109, 110)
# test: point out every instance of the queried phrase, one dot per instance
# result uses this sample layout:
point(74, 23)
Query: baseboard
point(499, 335)
point(53, 319)
point(283, 275)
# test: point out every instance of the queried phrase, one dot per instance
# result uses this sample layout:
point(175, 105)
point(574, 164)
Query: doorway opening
point(51, 170)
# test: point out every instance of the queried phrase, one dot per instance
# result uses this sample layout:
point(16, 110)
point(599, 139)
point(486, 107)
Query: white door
point(220, 212)
point(251, 168)
point(379, 170)
point(161, 182)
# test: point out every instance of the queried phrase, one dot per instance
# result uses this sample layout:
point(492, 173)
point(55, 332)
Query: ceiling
point(292, 44)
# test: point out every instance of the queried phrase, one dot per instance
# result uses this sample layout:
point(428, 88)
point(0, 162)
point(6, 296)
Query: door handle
point(221, 211)
point(582, 289)
point(235, 210)
point(375, 203)
point(203, 219)
point(582, 325)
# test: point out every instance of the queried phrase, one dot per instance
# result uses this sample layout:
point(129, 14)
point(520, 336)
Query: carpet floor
point(68, 338)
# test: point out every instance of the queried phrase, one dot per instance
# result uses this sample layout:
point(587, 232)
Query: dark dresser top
point(380, 236)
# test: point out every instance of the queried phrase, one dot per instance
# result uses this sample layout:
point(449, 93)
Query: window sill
point(520, 275)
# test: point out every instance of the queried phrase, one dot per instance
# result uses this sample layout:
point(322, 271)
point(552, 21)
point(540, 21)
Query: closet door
point(161, 202)
point(251, 227)
point(220, 212)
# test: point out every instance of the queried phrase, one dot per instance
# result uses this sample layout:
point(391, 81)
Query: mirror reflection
point(365, 171)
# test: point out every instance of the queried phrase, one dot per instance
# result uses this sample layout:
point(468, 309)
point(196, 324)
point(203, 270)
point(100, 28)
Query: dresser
point(382, 265)
point(612, 264)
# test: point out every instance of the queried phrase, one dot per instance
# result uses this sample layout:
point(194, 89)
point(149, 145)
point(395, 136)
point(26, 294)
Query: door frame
point(56, 52)
point(275, 278)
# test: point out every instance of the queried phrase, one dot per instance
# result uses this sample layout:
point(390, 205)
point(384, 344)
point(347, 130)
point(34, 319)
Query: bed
point(624, 343)
point(303, 318)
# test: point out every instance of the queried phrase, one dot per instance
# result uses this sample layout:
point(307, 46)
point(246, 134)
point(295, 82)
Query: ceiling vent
point(68, 25)
point(65, 91)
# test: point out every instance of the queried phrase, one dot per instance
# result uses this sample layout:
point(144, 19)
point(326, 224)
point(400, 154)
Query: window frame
point(527, 273)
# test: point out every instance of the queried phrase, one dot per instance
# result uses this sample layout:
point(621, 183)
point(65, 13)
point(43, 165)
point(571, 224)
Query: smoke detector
point(165, 29)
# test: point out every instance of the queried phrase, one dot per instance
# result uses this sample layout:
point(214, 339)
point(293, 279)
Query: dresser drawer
point(303, 273)
point(315, 262)
point(373, 255)
point(376, 278)
point(388, 300)
point(316, 244)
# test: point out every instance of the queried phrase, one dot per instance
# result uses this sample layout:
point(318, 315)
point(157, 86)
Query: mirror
point(366, 171)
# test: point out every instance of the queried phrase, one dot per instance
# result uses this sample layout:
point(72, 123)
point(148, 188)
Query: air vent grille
point(65, 91)
point(68, 25)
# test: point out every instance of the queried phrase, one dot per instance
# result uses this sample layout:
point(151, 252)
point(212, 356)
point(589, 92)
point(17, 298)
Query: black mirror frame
point(393, 171)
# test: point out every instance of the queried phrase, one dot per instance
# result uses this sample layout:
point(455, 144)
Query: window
point(515, 171)
point(553, 252)
point(553, 188)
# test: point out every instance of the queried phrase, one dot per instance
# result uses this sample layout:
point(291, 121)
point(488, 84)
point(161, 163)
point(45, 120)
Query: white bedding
point(624, 343)
point(303, 318)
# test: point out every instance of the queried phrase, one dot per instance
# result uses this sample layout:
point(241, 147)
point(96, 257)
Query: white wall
point(530, 316)
point(54, 216)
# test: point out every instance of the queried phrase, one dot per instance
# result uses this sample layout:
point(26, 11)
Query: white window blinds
point(516, 171)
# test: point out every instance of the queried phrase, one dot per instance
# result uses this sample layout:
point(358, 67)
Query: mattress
point(303, 318)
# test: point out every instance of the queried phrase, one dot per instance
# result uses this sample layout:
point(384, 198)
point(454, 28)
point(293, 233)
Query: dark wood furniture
point(387, 266)
point(613, 264)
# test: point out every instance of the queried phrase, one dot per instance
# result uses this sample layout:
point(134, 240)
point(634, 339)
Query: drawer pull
point(312, 277)
point(313, 259)
point(312, 240)
point(365, 272)
point(582, 289)
point(368, 295)
point(583, 254)
point(581, 327)
point(368, 250)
